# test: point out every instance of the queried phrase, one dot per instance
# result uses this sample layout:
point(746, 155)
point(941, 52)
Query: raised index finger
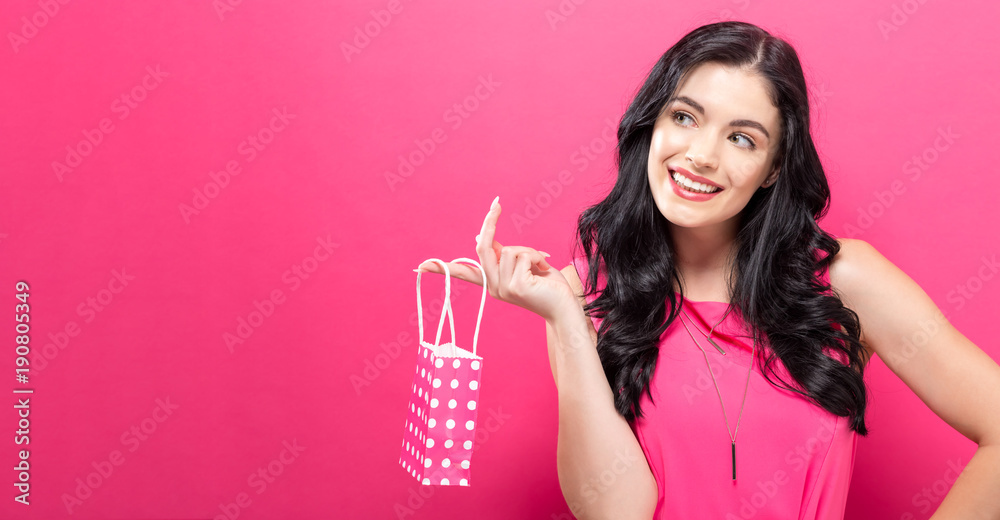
point(484, 247)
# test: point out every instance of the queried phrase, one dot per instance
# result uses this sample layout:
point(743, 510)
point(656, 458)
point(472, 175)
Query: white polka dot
point(414, 387)
point(468, 445)
point(431, 423)
point(411, 426)
point(456, 364)
point(430, 443)
point(439, 363)
point(453, 403)
point(463, 482)
point(413, 407)
point(407, 446)
point(426, 482)
point(434, 403)
point(472, 405)
point(470, 425)
point(445, 463)
point(465, 464)
point(428, 378)
point(473, 384)
point(437, 383)
point(423, 372)
point(444, 482)
point(475, 365)
point(420, 392)
point(427, 463)
point(425, 352)
point(449, 443)
point(454, 383)
point(450, 424)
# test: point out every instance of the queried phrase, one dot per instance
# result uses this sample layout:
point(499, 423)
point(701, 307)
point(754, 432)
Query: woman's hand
point(514, 274)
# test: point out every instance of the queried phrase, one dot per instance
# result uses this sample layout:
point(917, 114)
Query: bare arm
point(950, 374)
point(594, 440)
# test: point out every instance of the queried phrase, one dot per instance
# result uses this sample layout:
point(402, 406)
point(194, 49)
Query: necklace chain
point(732, 434)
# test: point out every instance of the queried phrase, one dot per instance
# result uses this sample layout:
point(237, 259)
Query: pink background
point(328, 370)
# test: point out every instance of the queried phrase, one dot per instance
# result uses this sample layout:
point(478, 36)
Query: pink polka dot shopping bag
point(440, 427)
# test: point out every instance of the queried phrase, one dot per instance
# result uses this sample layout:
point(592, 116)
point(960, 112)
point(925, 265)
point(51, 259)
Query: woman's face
point(721, 130)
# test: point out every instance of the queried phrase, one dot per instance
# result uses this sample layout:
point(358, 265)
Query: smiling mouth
point(692, 186)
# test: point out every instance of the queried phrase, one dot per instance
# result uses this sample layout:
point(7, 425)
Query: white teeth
point(695, 186)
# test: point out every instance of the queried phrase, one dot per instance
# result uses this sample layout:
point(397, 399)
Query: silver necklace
point(732, 434)
point(712, 330)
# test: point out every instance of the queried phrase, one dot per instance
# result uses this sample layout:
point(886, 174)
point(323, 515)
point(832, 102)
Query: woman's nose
point(701, 154)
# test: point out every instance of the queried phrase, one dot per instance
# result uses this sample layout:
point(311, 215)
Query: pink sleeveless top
point(793, 458)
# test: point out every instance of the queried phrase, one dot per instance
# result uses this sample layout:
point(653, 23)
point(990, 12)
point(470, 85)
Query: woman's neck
point(703, 260)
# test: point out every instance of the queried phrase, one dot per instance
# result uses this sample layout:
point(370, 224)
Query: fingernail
point(418, 271)
point(546, 255)
point(477, 239)
point(495, 201)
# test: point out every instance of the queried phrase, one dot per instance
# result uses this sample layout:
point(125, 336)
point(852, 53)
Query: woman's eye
point(747, 142)
point(678, 116)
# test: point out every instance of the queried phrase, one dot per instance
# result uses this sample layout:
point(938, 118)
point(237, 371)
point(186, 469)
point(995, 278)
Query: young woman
point(709, 344)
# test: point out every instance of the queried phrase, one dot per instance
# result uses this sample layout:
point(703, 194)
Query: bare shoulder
point(857, 266)
point(886, 300)
point(849, 263)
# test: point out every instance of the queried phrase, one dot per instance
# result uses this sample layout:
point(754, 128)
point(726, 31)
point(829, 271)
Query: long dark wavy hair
point(774, 289)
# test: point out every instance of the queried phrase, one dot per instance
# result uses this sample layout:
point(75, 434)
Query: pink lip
point(697, 178)
point(690, 195)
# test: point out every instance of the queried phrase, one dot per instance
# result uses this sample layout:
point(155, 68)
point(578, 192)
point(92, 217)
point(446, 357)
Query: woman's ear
point(770, 179)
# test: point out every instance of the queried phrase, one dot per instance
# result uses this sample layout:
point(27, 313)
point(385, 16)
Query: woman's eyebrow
point(736, 122)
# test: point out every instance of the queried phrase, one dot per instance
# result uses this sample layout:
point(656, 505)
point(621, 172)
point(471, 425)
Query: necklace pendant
point(734, 461)
point(717, 347)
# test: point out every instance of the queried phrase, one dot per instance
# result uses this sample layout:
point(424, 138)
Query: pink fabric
point(793, 458)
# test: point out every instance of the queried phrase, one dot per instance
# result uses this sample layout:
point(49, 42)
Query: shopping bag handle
point(447, 303)
point(482, 301)
point(446, 309)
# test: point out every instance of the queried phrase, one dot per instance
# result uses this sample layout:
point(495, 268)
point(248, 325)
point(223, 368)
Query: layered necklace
point(732, 434)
